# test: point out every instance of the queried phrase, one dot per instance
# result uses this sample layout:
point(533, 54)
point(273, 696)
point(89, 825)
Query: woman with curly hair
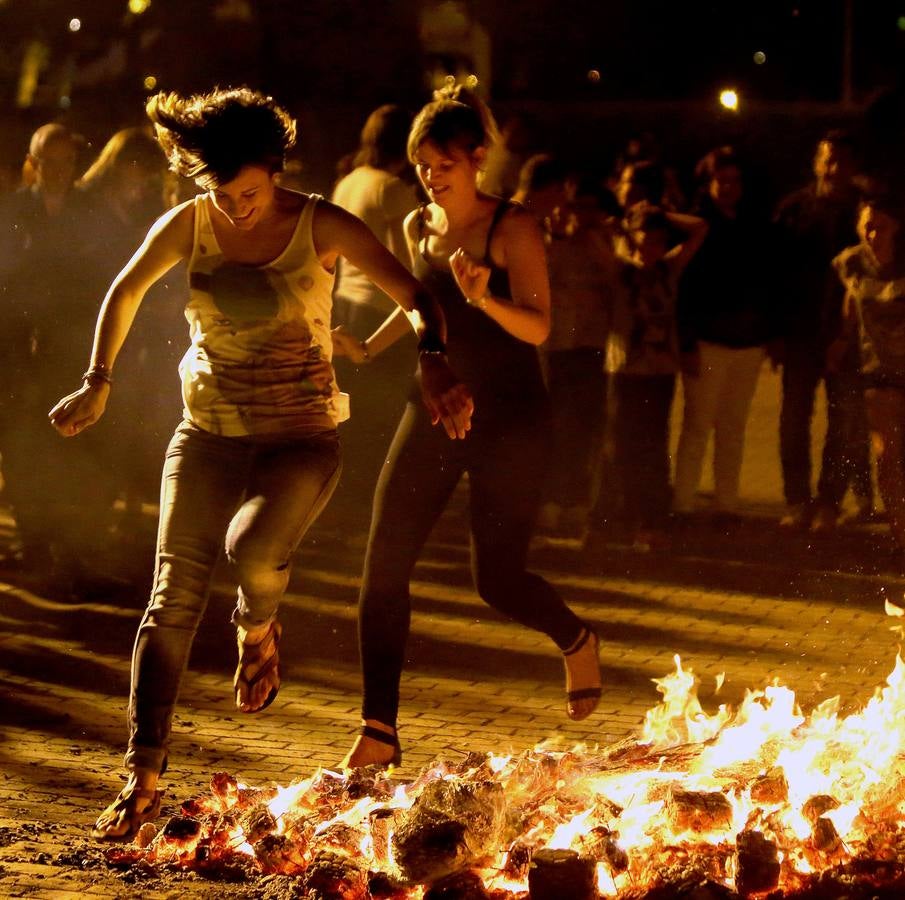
point(256, 456)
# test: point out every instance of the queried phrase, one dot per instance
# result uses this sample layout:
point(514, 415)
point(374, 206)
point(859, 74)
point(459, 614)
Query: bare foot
point(582, 676)
point(138, 802)
point(257, 678)
point(371, 751)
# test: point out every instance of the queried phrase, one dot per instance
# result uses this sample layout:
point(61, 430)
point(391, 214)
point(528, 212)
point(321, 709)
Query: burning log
point(335, 875)
point(518, 859)
point(698, 811)
point(824, 836)
point(689, 889)
point(451, 826)
point(463, 886)
point(381, 886)
point(257, 822)
point(758, 863)
point(771, 787)
point(146, 835)
point(279, 854)
point(817, 806)
point(555, 874)
point(600, 843)
point(181, 829)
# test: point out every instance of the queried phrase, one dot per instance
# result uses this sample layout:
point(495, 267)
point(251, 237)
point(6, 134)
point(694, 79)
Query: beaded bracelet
point(99, 373)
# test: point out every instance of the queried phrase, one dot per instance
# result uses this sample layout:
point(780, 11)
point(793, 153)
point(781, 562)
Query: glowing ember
point(758, 802)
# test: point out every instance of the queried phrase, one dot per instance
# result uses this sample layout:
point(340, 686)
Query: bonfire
point(762, 801)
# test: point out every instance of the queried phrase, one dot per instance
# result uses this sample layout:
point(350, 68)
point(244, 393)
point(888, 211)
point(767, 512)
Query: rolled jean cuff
point(248, 622)
point(154, 759)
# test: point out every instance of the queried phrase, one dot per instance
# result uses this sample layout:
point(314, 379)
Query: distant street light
point(729, 99)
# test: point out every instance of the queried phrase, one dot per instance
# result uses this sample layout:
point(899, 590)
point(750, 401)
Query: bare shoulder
point(176, 227)
point(329, 214)
point(517, 224)
point(411, 224)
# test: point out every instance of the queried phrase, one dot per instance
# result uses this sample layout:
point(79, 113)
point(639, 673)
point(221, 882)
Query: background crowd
point(657, 274)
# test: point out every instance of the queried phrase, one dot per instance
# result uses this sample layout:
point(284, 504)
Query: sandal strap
point(391, 740)
point(251, 653)
point(584, 694)
point(585, 636)
point(124, 799)
point(266, 668)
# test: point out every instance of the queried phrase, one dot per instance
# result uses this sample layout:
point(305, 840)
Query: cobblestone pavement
point(755, 605)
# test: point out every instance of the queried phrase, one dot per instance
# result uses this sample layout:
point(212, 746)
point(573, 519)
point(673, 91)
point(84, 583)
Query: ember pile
point(761, 802)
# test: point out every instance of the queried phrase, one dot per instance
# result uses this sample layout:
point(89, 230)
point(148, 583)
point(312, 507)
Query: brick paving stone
point(753, 607)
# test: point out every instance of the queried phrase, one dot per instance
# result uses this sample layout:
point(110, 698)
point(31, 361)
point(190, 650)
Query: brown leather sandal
point(250, 655)
point(126, 802)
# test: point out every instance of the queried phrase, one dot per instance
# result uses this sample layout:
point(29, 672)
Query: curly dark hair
point(210, 137)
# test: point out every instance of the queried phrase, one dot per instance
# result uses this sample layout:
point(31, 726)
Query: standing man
point(815, 223)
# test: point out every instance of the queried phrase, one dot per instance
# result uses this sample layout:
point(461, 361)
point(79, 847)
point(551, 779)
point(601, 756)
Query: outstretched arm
point(168, 241)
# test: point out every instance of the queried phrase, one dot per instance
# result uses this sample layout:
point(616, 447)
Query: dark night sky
point(656, 49)
point(331, 61)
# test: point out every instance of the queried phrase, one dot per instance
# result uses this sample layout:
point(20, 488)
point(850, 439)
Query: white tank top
point(260, 362)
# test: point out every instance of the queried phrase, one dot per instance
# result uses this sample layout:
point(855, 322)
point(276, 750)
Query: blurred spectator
point(726, 318)
point(580, 308)
point(125, 188)
point(873, 273)
point(643, 151)
point(640, 181)
point(47, 308)
point(815, 223)
point(506, 157)
point(642, 358)
point(377, 192)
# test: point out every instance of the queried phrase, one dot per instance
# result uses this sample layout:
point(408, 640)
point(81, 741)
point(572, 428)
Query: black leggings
point(506, 466)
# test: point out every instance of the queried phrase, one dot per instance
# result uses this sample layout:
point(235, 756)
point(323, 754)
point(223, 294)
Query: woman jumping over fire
point(256, 456)
point(484, 259)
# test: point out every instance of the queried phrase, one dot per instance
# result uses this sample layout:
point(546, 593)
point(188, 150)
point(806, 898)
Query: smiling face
point(447, 175)
point(248, 198)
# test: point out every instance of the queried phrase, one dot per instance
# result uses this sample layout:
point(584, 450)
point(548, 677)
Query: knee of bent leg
point(258, 572)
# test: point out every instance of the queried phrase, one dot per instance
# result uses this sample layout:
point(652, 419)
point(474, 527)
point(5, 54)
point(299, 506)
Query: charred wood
point(334, 875)
point(450, 827)
point(817, 805)
point(758, 863)
point(698, 811)
point(560, 874)
point(257, 822)
point(771, 787)
point(462, 886)
point(277, 853)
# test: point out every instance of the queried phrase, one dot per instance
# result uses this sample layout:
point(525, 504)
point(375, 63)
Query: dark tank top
point(502, 372)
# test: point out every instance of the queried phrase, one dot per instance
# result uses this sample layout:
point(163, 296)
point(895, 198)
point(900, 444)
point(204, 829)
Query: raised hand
point(471, 276)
